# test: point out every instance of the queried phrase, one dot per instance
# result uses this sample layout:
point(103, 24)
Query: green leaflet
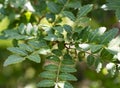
point(25, 32)
point(67, 77)
point(57, 52)
point(46, 83)
point(18, 51)
point(108, 36)
point(51, 67)
point(13, 59)
point(68, 14)
point(53, 58)
point(83, 20)
point(67, 28)
point(62, 1)
point(61, 45)
point(95, 48)
point(13, 34)
point(34, 57)
point(75, 36)
point(90, 60)
point(106, 54)
point(67, 60)
point(84, 33)
point(67, 85)
point(48, 74)
point(28, 29)
point(68, 69)
point(53, 7)
point(84, 10)
point(26, 47)
point(95, 34)
point(58, 29)
point(21, 29)
point(51, 37)
point(76, 4)
point(36, 44)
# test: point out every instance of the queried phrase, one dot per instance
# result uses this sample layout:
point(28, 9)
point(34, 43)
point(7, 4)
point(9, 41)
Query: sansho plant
point(62, 43)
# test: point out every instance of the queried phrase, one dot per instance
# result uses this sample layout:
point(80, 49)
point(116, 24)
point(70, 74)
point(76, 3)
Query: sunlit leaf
point(111, 67)
point(29, 29)
point(94, 35)
point(108, 36)
point(95, 48)
point(44, 51)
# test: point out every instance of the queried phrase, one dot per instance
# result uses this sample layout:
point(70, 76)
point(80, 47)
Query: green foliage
point(62, 44)
point(114, 5)
point(12, 59)
point(46, 83)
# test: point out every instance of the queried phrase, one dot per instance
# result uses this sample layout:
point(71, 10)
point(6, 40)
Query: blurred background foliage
point(25, 75)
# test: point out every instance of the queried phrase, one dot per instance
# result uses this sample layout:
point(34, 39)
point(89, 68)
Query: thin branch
point(67, 45)
point(58, 71)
